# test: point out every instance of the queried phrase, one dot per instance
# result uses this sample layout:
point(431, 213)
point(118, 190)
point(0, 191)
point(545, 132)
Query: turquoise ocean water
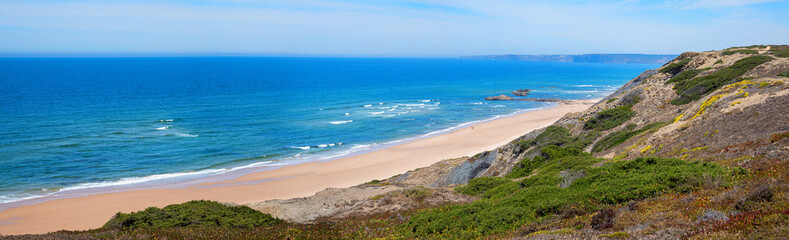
point(81, 123)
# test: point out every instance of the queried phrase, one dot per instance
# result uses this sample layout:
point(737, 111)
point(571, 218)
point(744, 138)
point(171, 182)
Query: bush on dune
point(510, 205)
point(676, 67)
point(692, 89)
point(743, 51)
point(192, 214)
point(610, 118)
point(618, 137)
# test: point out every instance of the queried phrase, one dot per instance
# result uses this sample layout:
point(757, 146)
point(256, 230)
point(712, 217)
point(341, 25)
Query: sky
point(386, 28)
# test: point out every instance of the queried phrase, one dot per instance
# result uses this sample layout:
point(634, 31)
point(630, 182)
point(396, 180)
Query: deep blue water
point(75, 123)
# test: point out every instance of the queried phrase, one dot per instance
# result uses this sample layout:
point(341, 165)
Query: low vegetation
point(192, 214)
point(514, 204)
point(480, 185)
point(694, 88)
point(780, 50)
point(615, 138)
point(610, 118)
point(676, 67)
point(784, 74)
point(685, 75)
point(742, 51)
point(558, 136)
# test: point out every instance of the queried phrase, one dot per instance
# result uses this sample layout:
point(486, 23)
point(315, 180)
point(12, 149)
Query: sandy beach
point(93, 211)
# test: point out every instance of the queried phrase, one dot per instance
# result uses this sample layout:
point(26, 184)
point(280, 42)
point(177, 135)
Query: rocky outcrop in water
point(500, 98)
point(521, 92)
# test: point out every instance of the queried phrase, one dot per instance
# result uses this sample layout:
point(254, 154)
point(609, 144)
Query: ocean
point(72, 124)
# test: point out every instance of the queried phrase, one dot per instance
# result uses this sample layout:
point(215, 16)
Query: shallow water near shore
point(82, 123)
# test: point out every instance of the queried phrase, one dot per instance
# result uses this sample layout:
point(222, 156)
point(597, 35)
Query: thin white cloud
point(357, 28)
point(724, 3)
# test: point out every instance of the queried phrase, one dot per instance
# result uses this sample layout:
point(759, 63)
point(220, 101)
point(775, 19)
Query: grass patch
point(615, 138)
point(718, 62)
point(373, 182)
point(676, 67)
point(611, 100)
point(554, 142)
point(784, 74)
point(610, 118)
point(685, 75)
point(558, 136)
point(743, 51)
point(751, 46)
point(694, 88)
point(514, 204)
point(200, 213)
point(780, 50)
point(481, 185)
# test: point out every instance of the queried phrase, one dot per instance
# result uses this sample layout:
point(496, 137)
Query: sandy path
point(288, 182)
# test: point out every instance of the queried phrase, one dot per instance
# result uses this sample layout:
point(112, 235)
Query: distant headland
point(590, 58)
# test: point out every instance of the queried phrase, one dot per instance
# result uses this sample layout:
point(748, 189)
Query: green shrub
point(509, 206)
point(685, 75)
point(553, 135)
point(780, 50)
point(525, 166)
point(694, 88)
point(743, 51)
point(676, 67)
point(373, 182)
point(718, 62)
point(611, 100)
point(784, 74)
point(610, 118)
point(481, 185)
point(200, 213)
point(615, 138)
point(581, 141)
point(751, 46)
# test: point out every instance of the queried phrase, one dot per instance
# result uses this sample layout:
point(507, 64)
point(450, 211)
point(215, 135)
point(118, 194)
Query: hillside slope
point(696, 149)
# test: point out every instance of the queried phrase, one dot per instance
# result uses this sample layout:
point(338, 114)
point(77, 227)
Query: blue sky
point(429, 28)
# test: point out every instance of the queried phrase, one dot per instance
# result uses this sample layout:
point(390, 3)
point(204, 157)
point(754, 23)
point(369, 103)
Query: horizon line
point(220, 54)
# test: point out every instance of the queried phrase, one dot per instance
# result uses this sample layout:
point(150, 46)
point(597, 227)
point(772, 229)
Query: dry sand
point(302, 180)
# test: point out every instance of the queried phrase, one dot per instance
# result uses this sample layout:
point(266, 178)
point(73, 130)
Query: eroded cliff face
point(729, 107)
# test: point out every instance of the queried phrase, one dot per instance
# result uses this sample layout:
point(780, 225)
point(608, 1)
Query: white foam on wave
point(138, 180)
point(165, 120)
point(340, 122)
point(346, 114)
point(587, 91)
point(376, 113)
point(186, 135)
point(212, 172)
point(583, 85)
point(368, 105)
point(424, 100)
point(164, 128)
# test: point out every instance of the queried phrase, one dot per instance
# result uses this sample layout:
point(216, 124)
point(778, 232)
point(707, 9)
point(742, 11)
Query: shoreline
point(289, 181)
point(183, 179)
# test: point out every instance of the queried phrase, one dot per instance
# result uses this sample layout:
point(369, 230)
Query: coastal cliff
point(695, 149)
